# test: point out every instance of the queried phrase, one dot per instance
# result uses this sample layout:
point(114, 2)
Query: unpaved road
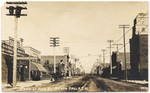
point(86, 83)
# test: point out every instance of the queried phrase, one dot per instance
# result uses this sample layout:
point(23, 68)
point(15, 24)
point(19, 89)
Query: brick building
point(120, 58)
point(118, 63)
point(62, 62)
point(139, 47)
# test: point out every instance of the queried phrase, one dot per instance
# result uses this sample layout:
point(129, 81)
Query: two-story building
point(35, 66)
point(62, 64)
point(118, 64)
point(139, 47)
point(7, 62)
point(28, 60)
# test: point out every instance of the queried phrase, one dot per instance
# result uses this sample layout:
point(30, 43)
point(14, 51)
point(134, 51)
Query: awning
point(37, 67)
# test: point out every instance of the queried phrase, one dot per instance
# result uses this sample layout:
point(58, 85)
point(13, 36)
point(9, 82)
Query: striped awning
point(37, 67)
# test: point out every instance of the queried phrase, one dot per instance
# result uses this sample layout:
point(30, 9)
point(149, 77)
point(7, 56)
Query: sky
point(85, 27)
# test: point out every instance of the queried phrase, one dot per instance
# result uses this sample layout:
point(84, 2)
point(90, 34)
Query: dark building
point(139, 47)
point(118, 64)
point(25, 56)
point(120, 58)
point(114, 59)
point(7, 62)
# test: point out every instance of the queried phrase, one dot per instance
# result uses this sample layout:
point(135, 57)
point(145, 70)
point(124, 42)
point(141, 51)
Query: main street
point(87, 83)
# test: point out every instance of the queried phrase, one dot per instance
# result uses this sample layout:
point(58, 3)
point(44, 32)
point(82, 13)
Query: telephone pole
point(54, 41)
point(117, 47)
point(110, 41)
point(76, 60)
point(16, 12)
point(66, 50)
point(21, 40)
point(75, 66)
point(124, 27)
point(103, 50)
point(99, 63)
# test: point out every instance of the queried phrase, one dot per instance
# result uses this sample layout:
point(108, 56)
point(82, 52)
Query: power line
point(124, 27)
point(130, 28)
point(117, 46)
point(110, 42)
point(122, 35)
point(129, 42)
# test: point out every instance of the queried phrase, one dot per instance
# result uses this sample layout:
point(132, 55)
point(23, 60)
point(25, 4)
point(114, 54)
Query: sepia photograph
point(74, 46)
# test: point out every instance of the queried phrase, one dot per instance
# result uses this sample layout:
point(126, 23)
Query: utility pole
point(76, 60)
point(66, 50)
point(73, 69)
point(117, 47)
point(110, 41)
point(53, 43)
point(21, 40)
point(99, 63)
point(124, 27)
point(75, 65)
point(103, 50)
point(16, 12)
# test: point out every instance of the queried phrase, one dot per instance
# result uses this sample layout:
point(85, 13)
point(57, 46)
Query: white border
point(3, 1)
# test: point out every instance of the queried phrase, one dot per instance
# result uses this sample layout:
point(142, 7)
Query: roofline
point(53, 55)
point(31, 47)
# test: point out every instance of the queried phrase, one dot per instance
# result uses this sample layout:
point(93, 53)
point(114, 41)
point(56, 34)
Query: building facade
point(7, 62)
point(118, 64)
point(121, 59)
point(34, 58)
point(139, 47)
point(25, 61)
point(62, 64)
point(32, 52)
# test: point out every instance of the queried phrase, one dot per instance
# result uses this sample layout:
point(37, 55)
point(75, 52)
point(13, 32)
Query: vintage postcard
point(74, 46)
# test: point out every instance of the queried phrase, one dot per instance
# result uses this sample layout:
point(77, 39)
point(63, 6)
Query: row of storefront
point(29, 65)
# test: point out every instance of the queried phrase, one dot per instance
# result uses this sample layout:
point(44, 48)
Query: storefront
point(37, 70)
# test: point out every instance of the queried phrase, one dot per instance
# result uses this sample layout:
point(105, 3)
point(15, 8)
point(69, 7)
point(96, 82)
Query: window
point(46, 61)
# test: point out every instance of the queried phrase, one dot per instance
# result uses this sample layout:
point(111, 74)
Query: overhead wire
point(130, 28)
point(96, 41)
point(129, 42)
